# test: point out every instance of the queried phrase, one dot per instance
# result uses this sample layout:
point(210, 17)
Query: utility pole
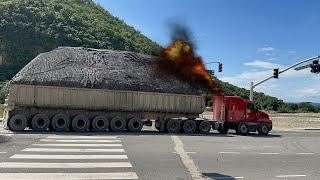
point(277, 72)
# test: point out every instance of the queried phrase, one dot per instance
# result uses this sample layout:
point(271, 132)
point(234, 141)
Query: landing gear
point(223, 130)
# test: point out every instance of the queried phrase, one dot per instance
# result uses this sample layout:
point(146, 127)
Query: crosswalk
point(70, 157)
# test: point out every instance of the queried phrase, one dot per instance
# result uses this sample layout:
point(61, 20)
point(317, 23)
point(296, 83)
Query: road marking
point(2, 152)
point(71, 150)
point(80, 145)
point(229, 152)
point(64, 165)
point(40, 156)
point(80, 140)
point(238, 177)
point(188, 152)
point(287, 176)
point(66, 176)
point(186, 160)
point(304, 153)
point(269, 153)
point(80, 137)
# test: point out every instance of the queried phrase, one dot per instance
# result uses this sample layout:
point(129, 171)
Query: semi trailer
point(81, 89)
point(83, 109)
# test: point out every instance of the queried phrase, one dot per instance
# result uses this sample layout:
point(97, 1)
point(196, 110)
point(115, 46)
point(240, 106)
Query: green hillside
point(29, 27)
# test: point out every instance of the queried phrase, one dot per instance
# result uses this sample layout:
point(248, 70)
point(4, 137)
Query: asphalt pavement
point(153, 155)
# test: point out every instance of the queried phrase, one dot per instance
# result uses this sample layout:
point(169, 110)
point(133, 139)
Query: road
point(152, 155)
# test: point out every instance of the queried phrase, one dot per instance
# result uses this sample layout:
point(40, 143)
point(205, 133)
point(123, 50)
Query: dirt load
point(100, 69)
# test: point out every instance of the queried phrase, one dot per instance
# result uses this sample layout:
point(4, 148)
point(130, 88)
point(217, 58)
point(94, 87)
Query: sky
point(249, 37)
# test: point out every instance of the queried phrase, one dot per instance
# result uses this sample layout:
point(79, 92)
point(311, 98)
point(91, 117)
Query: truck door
point(251, 112)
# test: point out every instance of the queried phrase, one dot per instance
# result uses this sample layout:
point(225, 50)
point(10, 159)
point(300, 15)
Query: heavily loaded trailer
point(81, 89)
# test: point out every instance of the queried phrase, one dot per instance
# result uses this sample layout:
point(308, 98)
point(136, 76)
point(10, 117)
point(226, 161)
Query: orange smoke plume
point(179, 59)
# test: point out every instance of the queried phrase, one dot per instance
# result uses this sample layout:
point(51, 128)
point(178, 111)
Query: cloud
point(293, 86)
point(265, 49)
point(292, 52)
point(262, 64)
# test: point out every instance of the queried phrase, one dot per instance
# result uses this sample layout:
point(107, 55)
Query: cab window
point(250, 106)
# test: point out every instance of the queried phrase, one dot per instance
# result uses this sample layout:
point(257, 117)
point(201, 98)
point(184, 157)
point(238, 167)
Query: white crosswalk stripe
point(64, 165)
point(70, 150)
point(67, 176)
point(80, 137)
point(79, 145)
point(81, 140)
point(55, 153)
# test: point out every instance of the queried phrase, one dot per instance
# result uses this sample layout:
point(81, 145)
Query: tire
point(135, 124)
point(80, 123)
point(223, 130)
point(263, 129)
point(40, 122)
point(100, 124)
point(60, 122)
point(17, 122)
point(243, 129)
point(173, 126)
point(189, 126)
point(204, 127)
point(117, 124)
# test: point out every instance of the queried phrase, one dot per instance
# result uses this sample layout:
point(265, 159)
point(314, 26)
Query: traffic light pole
point(215, 62)
point(253, 85)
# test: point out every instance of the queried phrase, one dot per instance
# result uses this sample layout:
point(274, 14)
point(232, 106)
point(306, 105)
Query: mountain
point(30, 27)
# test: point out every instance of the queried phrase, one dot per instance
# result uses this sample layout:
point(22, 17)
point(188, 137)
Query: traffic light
point(315, 67)
point(220, 67)
point(276, 73)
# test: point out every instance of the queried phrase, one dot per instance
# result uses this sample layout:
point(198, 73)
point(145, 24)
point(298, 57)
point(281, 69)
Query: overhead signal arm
point(315, 68)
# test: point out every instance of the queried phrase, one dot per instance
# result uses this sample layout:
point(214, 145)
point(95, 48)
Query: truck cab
point(234, 112)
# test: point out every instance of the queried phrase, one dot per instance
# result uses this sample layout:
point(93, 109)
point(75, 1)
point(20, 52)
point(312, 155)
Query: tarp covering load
point(101, 69)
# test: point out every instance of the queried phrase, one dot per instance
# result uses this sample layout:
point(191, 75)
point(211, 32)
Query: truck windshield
point(250, 106)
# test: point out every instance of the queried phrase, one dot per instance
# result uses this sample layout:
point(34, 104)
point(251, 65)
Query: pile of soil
point(100, 69)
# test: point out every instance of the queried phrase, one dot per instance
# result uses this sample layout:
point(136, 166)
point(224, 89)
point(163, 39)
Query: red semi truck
point(233, 112)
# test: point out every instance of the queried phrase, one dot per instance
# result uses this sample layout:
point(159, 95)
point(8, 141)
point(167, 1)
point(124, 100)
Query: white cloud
point(308, 91)
point(262, 64)
point(265, 49)
point(292, 52)
point(293, 86)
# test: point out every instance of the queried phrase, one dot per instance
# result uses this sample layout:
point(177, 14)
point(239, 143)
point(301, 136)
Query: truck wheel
point(223, 130)
point(17, 122)
point(204, 127)
point(40, 122)
point(60, 122)
point(263, 129)
point(173, 126)
point(135, 124)
point(80, 123)
point(189, 126)
point(243, 129)
point(99, 124)
point(117, 124)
